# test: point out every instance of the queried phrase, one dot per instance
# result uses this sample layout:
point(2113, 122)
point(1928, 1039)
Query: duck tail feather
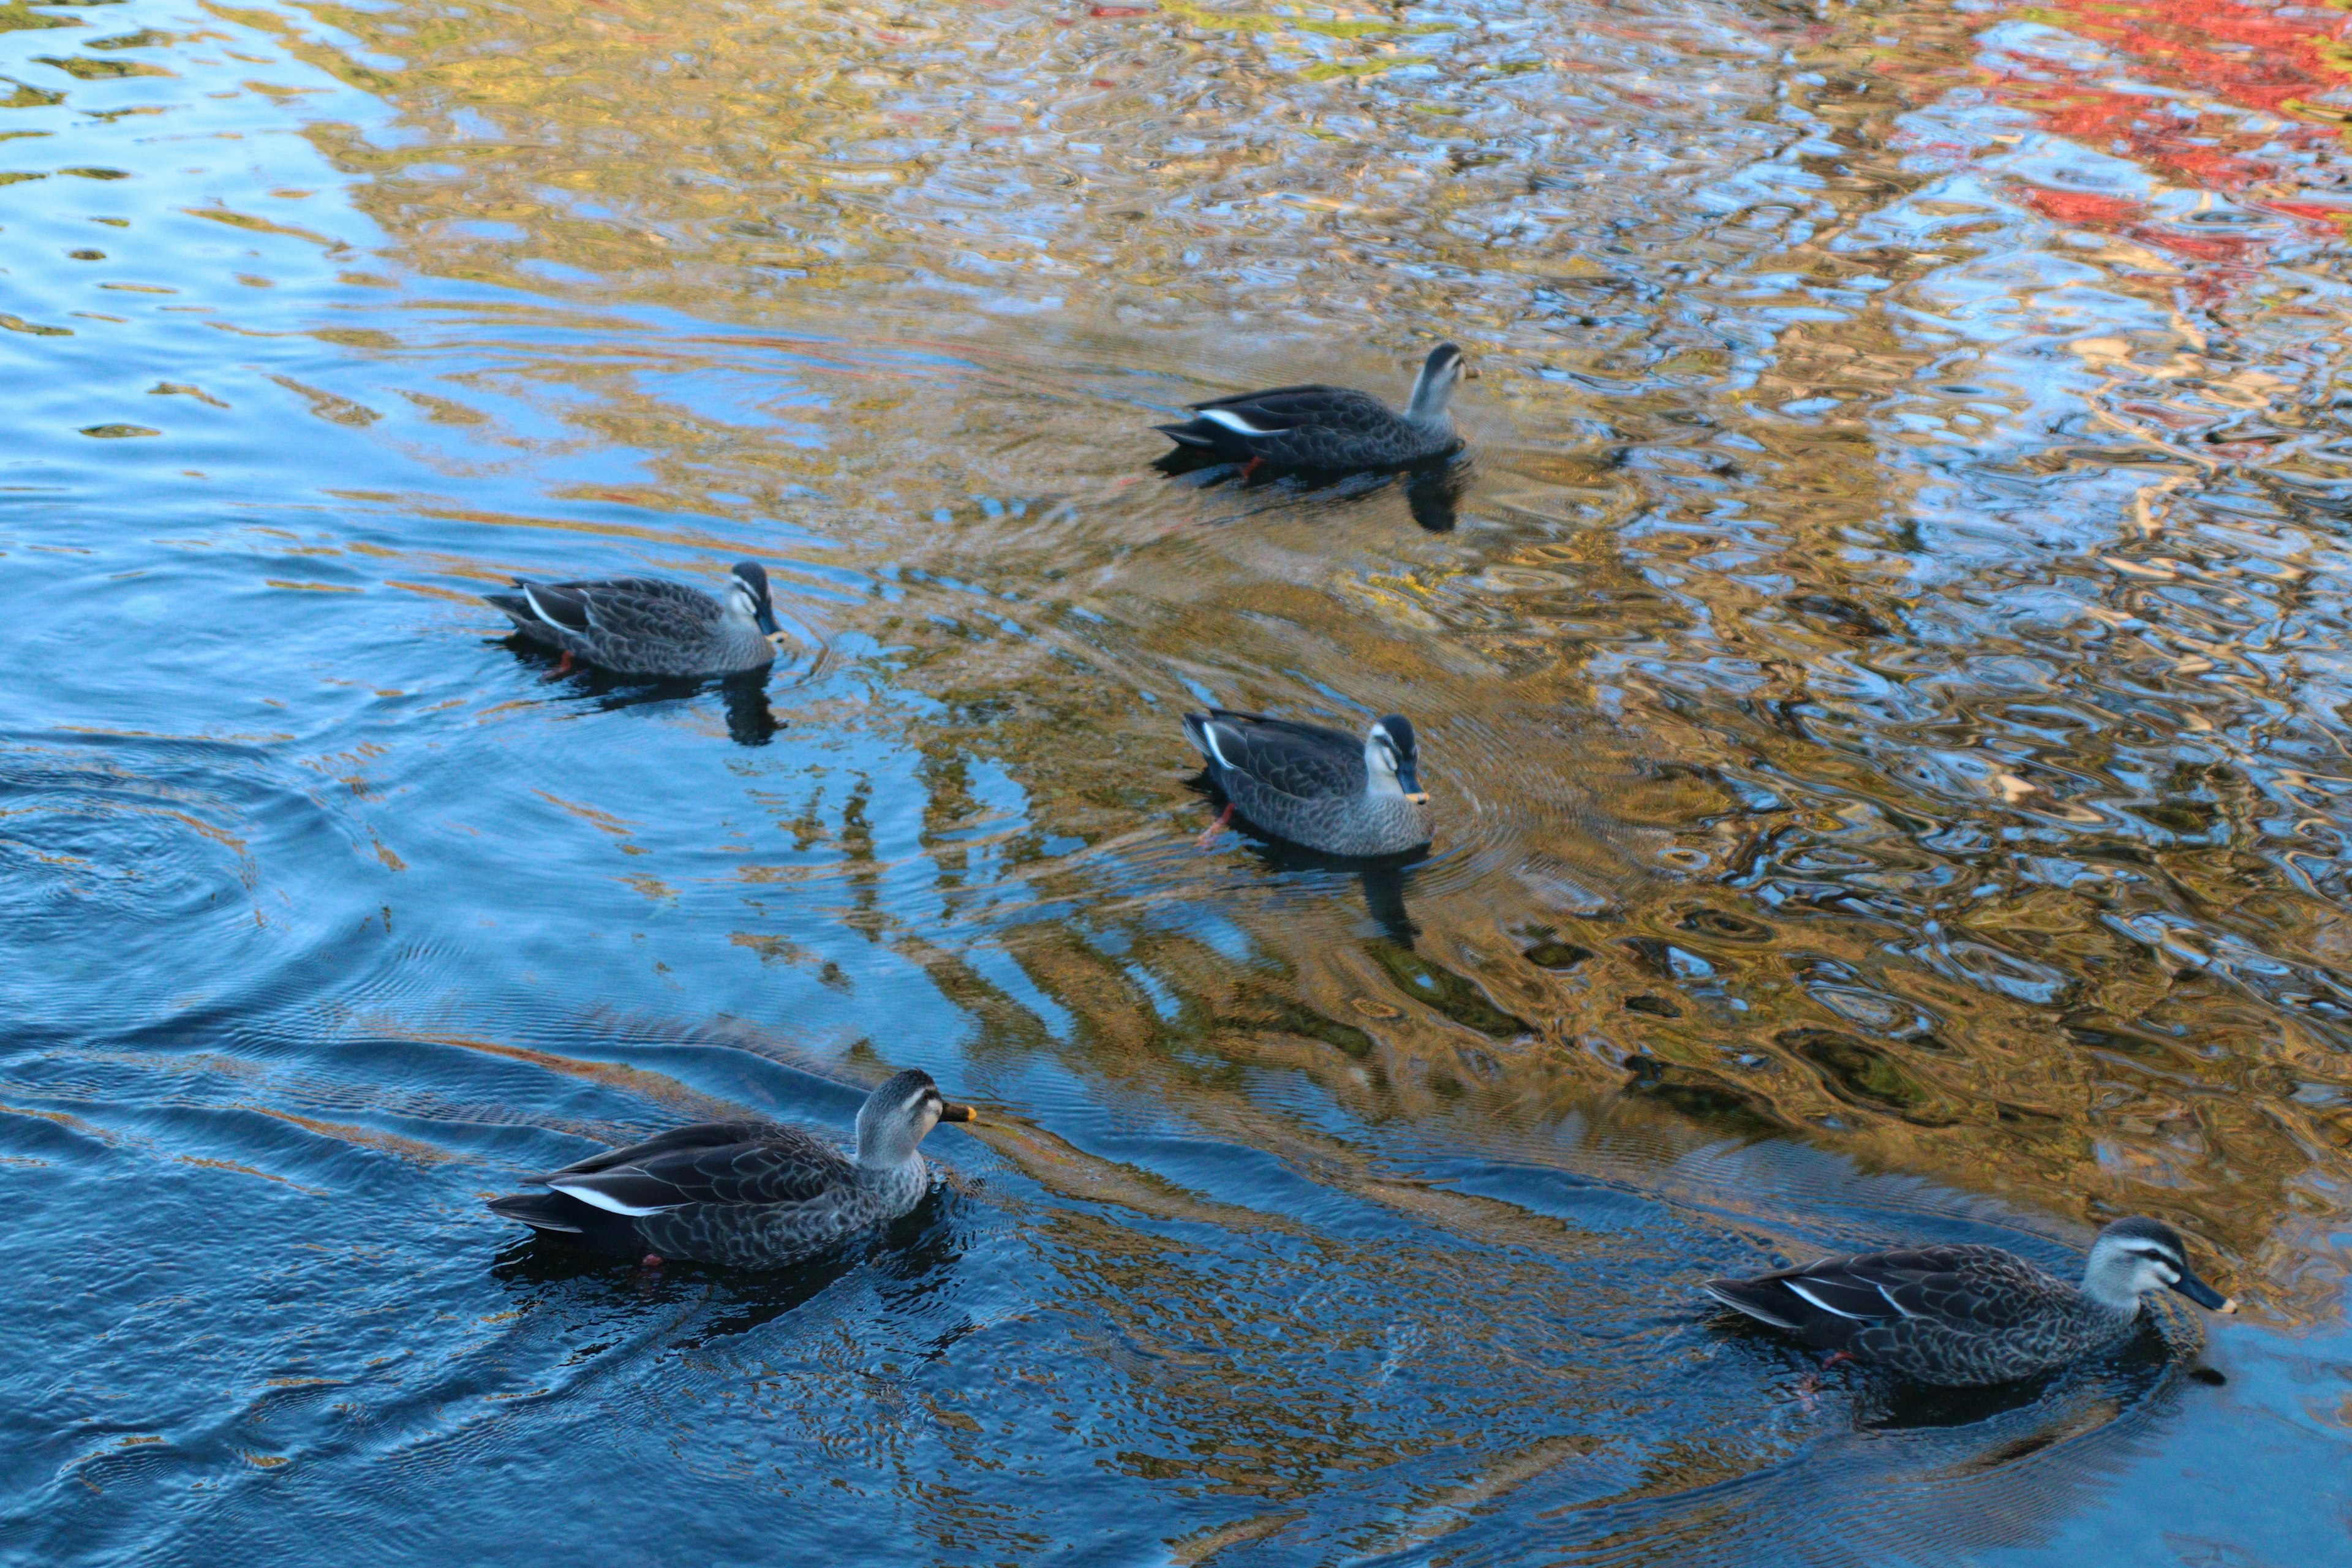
point(1756, 1300)
point(540, 1211)
point(1200, 730)
point(1188, 434)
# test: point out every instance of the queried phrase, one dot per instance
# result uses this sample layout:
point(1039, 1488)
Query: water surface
point(1882, 676)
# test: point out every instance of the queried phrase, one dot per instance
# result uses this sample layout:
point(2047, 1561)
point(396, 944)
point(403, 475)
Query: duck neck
point(1430, 393)
point(893, 1176)
point(884, 1148)
point(2115, 1312)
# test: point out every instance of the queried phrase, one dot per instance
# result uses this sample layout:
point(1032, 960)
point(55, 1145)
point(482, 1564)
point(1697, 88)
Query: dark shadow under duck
point(1319, 789)
point(1326, 430)
point(1966, 1316)
point(915, 1252)
point(651, 626)
point(1433, 490)
point(746, 1195)
point(750, 719)
point(1382, 877)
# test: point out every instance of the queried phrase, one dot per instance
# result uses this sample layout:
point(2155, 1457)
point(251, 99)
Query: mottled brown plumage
point(1965, 1315)
point(1328, 430)
point(751, 1194)
point(1317, 788)
point(645, 626)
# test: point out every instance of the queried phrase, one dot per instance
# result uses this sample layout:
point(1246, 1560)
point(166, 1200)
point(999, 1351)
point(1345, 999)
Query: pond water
point(1883, 680)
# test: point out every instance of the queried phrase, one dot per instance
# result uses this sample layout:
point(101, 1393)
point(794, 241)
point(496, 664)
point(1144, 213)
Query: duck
point(1320, 788)
point(648, 626)
point(1327, 429)
point(1964, 1316)
point(744, 1194)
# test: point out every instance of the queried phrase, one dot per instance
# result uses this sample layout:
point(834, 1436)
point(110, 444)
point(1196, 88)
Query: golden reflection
point(1847, 543)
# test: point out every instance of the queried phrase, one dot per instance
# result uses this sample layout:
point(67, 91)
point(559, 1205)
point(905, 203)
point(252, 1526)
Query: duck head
point(1440, 373)
point(2137, 1256)
point(1393, 760)
point(748, 596)
point(896, 1117)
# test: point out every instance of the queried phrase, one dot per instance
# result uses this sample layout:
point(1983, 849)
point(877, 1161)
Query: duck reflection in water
point(1382, 877)
point(912, 1256)
point(1433, 490)
point(750, 721)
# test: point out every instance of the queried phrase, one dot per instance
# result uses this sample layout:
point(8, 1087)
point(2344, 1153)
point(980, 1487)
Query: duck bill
point(1409, 781)
point(949, 1112)
point(765, 617)
point(2204, 1295)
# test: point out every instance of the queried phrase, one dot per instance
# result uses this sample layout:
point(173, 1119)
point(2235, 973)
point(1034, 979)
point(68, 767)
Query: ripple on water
point(1881, 682)
point(152, 875)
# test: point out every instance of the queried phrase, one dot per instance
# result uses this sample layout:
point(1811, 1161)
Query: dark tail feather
point(514, 604)
point(1759, 1301)
point(540, 1211)
point(1188, 434)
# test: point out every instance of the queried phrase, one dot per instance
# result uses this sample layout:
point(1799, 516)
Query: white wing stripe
point(1232, 422)
point(605, 1201)
point(531, 599)
point(1817, 1302)
point(1209, 733)
point(1896, 1304)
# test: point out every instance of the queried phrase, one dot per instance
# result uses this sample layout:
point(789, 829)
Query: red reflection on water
point(2212, 61)
point(2205, 95)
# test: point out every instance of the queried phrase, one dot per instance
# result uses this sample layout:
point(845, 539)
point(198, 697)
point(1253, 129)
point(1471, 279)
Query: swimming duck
point(1328, 429)
point(1960, 1316)
point(1317, 787)
point(644, 625)
point(752, 1195)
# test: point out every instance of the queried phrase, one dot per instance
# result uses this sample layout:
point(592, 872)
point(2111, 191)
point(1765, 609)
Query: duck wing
point(1305, 761)
point(1980, 1288)
point(695, 1135)
point(692, 1165)
point(1300, 427)
point(1288, 408)
point(609, 608)
point(624, 609)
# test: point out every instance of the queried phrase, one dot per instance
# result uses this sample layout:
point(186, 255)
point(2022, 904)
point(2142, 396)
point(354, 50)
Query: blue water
point(1777, 681)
